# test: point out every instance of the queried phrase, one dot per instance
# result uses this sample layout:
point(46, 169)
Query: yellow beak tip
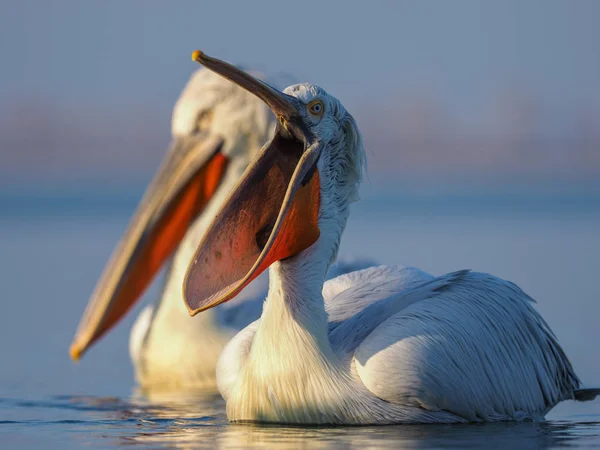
point(196, 55)
point(75, 352)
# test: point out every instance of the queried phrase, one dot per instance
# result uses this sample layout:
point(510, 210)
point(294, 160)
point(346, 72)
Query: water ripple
point(199, 422)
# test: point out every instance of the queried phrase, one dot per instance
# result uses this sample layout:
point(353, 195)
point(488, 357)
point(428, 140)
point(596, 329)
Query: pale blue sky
point(107, 52)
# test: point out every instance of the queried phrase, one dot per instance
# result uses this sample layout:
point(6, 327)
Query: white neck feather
point(295, 300)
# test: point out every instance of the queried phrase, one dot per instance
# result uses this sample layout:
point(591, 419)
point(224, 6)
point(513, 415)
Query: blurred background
point(481, 121)
point(454, 91)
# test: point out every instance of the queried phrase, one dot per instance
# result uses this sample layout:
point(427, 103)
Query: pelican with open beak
point(217, 129)
point(383, 345)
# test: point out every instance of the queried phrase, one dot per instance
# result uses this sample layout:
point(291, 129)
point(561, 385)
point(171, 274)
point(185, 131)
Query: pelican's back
point(467, 343)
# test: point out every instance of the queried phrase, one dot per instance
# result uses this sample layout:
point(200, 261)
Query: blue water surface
point(54, 246)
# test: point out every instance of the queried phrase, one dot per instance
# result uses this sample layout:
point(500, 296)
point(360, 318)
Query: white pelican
point(217, 128)
point(387, 344)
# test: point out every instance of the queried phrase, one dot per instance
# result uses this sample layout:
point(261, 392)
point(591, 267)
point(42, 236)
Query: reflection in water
point(171, 404)
point(190, 421)
point(502, 435)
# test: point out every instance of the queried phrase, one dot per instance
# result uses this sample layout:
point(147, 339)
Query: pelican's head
point(296, 191)
point(217, 130)
point(212, 106)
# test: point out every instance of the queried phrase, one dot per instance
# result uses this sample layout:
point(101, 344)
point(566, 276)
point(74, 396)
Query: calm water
point(52, 250)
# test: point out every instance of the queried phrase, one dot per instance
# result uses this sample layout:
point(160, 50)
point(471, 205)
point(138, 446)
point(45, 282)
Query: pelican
point(217, 127)
point(383, 345)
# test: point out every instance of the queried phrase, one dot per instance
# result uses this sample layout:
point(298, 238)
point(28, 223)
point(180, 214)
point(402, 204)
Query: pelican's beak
point(272, 213)
point(188, 177)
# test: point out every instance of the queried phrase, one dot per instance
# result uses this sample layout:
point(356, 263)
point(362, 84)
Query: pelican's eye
point(204, 120)
point(316, 108)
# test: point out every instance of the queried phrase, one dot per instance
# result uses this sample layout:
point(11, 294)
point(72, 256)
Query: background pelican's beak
point(282, 105)
point(272, 213)
point(188, 177)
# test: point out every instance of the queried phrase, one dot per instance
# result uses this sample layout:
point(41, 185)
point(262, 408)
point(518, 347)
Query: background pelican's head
point(209, 104)
point(217, 129)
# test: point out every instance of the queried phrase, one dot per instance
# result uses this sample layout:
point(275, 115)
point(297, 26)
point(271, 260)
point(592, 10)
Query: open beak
point(273, 212)
point(188, 177)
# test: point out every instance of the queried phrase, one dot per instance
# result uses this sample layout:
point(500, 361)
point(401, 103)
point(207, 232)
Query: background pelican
point(217, 128)
point(381, 345)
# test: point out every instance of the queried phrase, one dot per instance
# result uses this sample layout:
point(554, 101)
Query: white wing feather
point(473, 346)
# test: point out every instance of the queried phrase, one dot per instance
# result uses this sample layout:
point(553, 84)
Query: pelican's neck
point(292, 373)
point(295, 300)
point(294, 310)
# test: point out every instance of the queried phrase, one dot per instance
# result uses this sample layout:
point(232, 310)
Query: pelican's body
point(397, 345)
point(378, 346)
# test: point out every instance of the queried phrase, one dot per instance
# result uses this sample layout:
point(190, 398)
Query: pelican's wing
point(467, 343)
point(348, 294)
point(345, 266)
